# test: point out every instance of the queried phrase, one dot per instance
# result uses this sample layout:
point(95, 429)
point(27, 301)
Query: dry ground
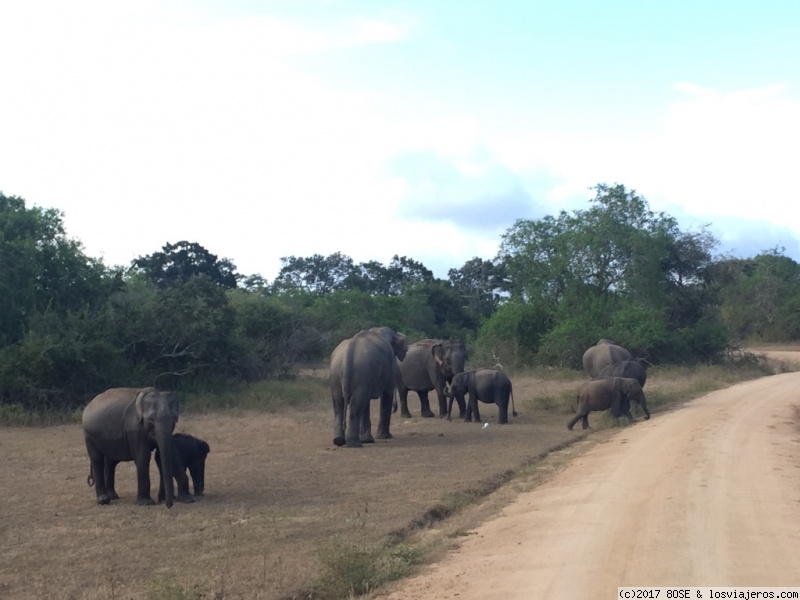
point(277, 489)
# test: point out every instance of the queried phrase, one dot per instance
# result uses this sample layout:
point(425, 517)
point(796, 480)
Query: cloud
point(148, 123)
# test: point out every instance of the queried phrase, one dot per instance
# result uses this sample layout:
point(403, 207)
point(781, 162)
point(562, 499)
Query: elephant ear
point(438, 353)
point(174, 404)
point(139, 403)
point(400, 345)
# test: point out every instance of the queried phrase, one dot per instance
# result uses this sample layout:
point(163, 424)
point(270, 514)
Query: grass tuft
point(15, 415)
point(166, 588)
point(353, 569)
point(264, 396)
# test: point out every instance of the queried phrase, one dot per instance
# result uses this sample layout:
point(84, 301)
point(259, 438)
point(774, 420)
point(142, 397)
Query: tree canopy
point(183, 318)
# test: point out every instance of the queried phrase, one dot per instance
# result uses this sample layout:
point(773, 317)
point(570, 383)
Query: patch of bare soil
point(277, 489)
point(702, 496)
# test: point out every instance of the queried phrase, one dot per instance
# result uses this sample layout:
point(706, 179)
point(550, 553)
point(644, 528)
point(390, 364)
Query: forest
point(182, 318)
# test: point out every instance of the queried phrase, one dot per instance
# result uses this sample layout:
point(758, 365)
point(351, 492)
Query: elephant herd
point(127, 424)
point(375, 362)
point(617, 380)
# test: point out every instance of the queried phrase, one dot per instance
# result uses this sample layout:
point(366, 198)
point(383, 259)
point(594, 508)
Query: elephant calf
point(635, 369)
point(615, 393)
point(487, 385)
point(192, 453)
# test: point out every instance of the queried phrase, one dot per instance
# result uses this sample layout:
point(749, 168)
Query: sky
point(274, 128)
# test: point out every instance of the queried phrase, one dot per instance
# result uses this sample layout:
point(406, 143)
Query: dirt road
point(705, 495)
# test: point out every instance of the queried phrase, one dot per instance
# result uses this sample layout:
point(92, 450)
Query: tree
point(617, 257)
point(760, 295)
point(181, 261)
point(41, 269)
point(479, 284)
point(318, 274)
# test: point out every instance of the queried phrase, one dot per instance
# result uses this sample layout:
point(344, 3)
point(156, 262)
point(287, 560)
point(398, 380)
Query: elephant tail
point(90, 479)
point(513, 408)
point(347, 374)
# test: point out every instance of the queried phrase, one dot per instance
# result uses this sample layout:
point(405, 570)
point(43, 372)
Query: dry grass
point(286, 512)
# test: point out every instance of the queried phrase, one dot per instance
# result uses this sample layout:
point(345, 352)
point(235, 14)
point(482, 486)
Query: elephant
point(429, 365)
point(487, 385)
point(362, 368)
point(123, 424)
point(635, 369)
point(615, 393)
point(603, 353)
point(192, 453)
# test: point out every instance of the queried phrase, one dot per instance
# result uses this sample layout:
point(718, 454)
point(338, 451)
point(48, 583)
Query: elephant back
point(603, 354)
point(364, 364)
point(108, 407)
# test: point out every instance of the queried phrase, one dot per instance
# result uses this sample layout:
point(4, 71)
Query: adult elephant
point(635, 369)
point(123, 424)
point(614, 393)
point(362, 368)
point(429, 365)
point(603, 353)
point(487, 385)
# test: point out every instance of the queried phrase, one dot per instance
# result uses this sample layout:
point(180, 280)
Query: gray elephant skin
point(430, 365)
point(635, 369)
point(603, 353)
point(487, 385)
point(191, 453)
point(362, 368)
point(614, 393)
point(123, 424)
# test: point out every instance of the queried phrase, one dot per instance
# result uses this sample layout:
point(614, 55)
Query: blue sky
point(264, 129)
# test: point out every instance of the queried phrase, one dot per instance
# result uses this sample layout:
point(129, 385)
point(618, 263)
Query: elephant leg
point(352, 437)
point(142, 460)
point(502, 417)
point(162, 493)
point(475, 412)
point(472, 412)
point(462, 407)
point(626, 410)
point(385, 415)
point(442, 402)
point(585, 421)
point(425, 404)
point(179, 471)
point(365, 432)
point(339, 410)
point(574, 420)
point(111, 472)
point(404, 412)
point(468, 412)
point(97, 461)
point(196, 471)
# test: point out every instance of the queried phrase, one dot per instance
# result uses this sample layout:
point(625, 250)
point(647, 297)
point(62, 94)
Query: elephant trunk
point(166, 448)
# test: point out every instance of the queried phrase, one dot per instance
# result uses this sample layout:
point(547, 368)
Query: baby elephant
point(487, 385)
point(615, 393)
point(192, 453)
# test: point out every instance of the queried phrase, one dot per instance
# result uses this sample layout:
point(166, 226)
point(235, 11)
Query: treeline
point(183, 318)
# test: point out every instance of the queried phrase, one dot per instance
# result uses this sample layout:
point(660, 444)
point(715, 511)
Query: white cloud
point(147, 130)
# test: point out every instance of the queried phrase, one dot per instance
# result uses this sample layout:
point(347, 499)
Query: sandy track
point(705, 495)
